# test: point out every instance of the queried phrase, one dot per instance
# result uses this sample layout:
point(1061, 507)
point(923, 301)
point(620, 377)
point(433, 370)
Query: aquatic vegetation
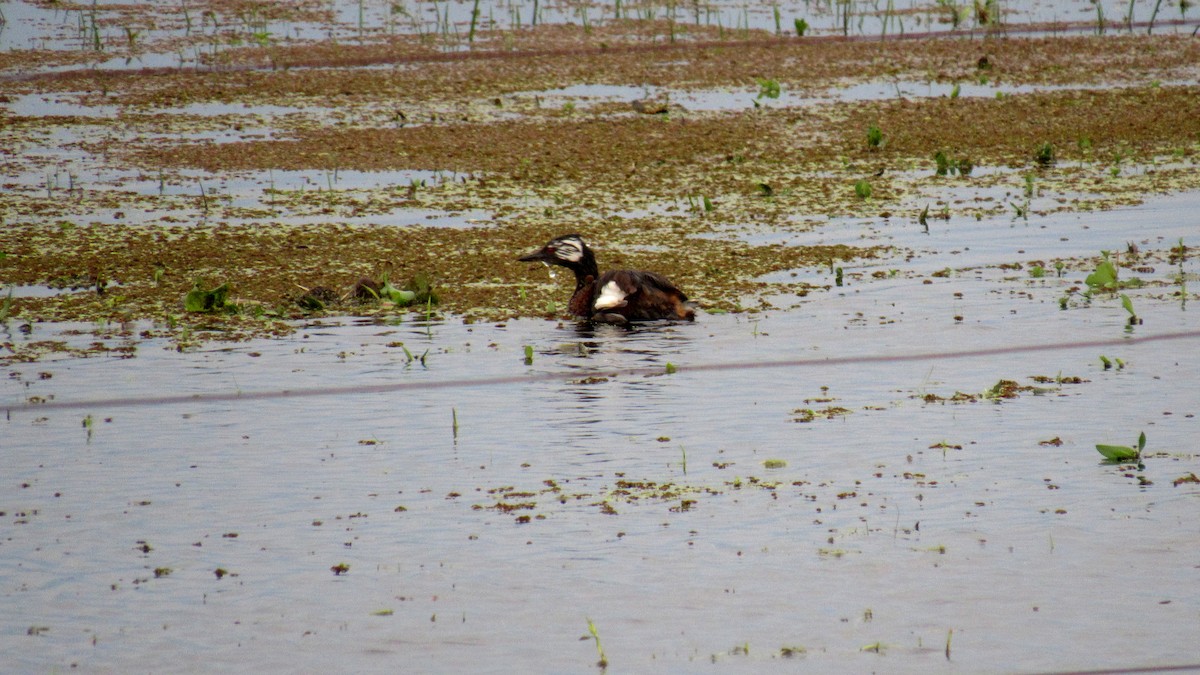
point(1123, 453)
point(877, 647)
point(1020, 210)
point(6, 305)
point(1005, 389)
point(874, 137)
point(409, 358)
point(768, 88)
point(948, 166)
point(1189, 478)
point(213, 300)
point(1045, 155)
point(401, 297)
point(1178, 253)
point(1128, 305)
point(862, 189)
point(806, 415)
point(1104, 278)
point(595, 633)
point(607, 159)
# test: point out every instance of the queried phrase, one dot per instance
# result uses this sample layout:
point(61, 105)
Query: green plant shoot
point(1123, 453)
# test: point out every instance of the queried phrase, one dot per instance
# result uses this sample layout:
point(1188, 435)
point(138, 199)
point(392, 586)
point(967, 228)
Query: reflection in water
point(599, 404)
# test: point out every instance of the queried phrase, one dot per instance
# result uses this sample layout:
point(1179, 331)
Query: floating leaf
point(1117, 453)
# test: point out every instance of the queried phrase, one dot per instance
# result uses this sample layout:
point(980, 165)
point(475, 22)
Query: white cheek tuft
point(610, 296)
point(569, 251)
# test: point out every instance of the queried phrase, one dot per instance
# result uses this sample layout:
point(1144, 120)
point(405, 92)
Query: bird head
point(567, 250)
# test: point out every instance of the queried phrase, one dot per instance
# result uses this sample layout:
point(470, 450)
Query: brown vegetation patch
point(1140, 122)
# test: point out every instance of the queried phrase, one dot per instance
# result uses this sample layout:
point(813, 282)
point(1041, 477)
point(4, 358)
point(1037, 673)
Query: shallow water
point(892, 530)
point(871, 534)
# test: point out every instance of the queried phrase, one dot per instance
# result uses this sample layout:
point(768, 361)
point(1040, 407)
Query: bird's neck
point(585, 270)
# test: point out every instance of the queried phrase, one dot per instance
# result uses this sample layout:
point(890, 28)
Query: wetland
point(279, 395)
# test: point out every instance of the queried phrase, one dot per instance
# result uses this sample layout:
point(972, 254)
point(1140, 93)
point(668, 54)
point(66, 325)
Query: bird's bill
point(540, 255)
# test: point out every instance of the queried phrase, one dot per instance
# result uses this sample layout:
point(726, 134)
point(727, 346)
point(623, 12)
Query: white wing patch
point(610, 296)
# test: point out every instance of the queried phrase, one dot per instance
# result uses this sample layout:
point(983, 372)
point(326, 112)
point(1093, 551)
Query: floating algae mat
point(278, 394)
